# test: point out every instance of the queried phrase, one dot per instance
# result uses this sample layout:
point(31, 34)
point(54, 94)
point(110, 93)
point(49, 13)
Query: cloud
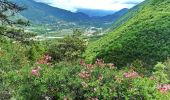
point(73, 5)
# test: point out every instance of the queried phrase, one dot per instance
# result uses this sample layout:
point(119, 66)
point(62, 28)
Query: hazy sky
point(72, 5)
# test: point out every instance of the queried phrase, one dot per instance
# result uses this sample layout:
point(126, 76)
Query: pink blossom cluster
point(132, 74)
point(82, 62)
point(90, 66)
point(98, 63)
point(46, 59)
point(35, 71)
point(85, 74)
point(164, 88)
point(94, 99)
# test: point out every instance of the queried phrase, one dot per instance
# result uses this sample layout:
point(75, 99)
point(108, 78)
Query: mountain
point(112, 17)
point(42, 13)
point(95, 12)
point(144, 37)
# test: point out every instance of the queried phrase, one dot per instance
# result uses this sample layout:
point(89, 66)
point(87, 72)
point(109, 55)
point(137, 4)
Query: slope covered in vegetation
point(144, 37)
point(131, 13)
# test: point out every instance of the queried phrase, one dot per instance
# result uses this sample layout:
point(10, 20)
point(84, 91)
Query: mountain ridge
point(95, 12)
point(43, 13)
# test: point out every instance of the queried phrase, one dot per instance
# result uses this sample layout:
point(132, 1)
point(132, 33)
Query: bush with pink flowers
point(66, 81)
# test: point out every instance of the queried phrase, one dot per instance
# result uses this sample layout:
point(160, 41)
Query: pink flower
point(132, 74)
point(84, 74)
point(90, 66)
point(35, 72)
point(99, 62)
point(82, 62)
point(46, 59)
point(163, 88)
point(94, 99)
point(65, 98)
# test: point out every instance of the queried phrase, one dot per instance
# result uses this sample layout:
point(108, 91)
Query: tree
point(69, 48)
point(7, 10)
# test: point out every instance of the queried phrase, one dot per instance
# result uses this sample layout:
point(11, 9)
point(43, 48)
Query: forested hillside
point(144, 37)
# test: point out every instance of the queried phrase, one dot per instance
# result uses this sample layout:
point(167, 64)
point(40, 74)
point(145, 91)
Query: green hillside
point(131, 13)
point(145, 37)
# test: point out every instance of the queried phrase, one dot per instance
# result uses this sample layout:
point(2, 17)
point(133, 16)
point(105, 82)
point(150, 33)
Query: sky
point(73, 5)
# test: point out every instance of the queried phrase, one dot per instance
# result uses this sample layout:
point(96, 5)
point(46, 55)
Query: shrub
point(160, 74)
point(69, 48)
point(167, 68)
point(35, 51)
point(85, 81)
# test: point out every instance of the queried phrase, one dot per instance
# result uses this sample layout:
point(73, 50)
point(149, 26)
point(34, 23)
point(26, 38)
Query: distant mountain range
point(59, 19)
point(95, 12)
point(40, 12)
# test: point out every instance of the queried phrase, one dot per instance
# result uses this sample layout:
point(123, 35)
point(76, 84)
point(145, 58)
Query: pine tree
point(9, 9)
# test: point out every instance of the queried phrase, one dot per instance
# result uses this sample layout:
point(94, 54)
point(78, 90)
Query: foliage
point(160, 73)
point(13, 56)
point(16, 34)
point(8, 9)
point(35, 51)
point(144, 37)
point(85, 81)
point(69, 48)
point(167, 68)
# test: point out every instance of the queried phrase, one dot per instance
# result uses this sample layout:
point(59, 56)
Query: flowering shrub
point(46, 59)
point(132, 74)
point(96, 81)
point(35, 71)
point(164, 88)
